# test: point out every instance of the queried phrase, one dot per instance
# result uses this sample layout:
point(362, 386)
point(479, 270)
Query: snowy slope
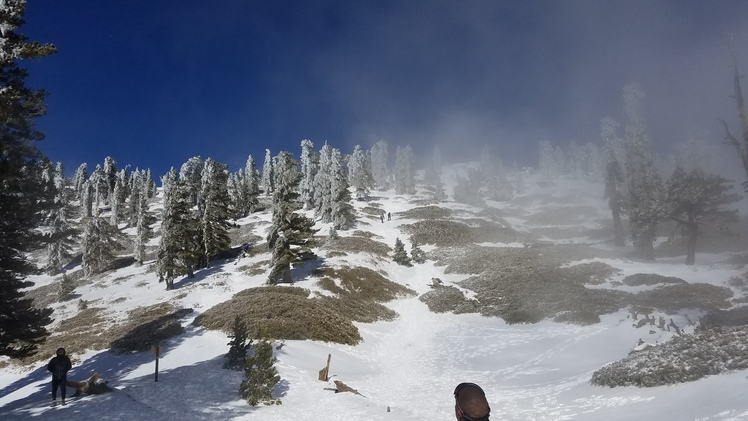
point(405, 369)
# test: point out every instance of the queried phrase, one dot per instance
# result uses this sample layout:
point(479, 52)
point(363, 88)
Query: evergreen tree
point(65, 288)
point(694, 199)
point(87, 199)
point(214, 223)
point(100, 242)
point(190, 179)
point(23, 202)
point(645, 186)
point(358, 173)
point(467, 189)
point(100, 187)
point(547, 162)
point(79, 179)
point(405, 182)
point(61, 233)
point(239, 344)
point(144, 219)
point(416, 254)
point(288, 228)
point(400, 255)
point(495, 185)
point(309, 162)
point(615, 187)
point(379, 171)
point(260, 375)
point(252, 181)
point(323, 185)
point(178, 250)
point(343, 215)
point(267, 174)
point(110, 176)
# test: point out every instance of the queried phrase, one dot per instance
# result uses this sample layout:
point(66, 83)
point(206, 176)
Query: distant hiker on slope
point(471, 403)
point(59, 367)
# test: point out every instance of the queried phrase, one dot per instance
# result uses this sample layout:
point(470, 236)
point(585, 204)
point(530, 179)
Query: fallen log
point(94, 385)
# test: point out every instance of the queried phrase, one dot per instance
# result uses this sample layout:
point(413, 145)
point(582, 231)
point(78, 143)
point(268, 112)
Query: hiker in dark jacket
point(471, 403)
point(59, 367)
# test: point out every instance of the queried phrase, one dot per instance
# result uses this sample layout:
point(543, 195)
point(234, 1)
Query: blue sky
point(153, 83)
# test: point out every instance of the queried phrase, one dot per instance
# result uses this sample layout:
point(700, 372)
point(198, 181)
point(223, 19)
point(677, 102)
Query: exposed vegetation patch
point(257, 268)
point(427, 212)
point(441, 232)
point(737, 259)
point(361, 283)
point(147, 327)
point(444, 299)
point(363, 311)
point(638, 279)
point(357, 245)
point(682, 359)
point(593, 273)
point(581, 318)
point(78, 333)
point(374, 209)
point(672, 298)
point(366, 234)
point(282, 313)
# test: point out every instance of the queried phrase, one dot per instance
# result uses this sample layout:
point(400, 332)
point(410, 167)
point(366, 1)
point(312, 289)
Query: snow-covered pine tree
point(467, 189)
point(237, 194)
point(615, 182)
point(252, 181)
point(62, 234)
point(117, 198)
point(100, 187)
point(267, 174)
point(177, 254)
point(260, 375)
point(214, 223)
point(343, 215)
point(495, 184)
point(239, 344)
point(417, 255)
point(87, 199)
point(100, 243)
point(645, 185)
point(23, 201)
point(110, 175)
point(79, 179)
point(694, 199)
point(379, 168)
point(143, 220)
point(322, 185)
point(400, 256)
point(309, 163)
point(405, 182)
point(358, 173)
point(190, 177)
point(288, 228)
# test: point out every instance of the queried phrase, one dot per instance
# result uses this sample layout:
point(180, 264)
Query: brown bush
point(448, 298)
point(282, 313)
point(638, 279)
point(426, 212)
point(361, 283)
point(593, 273)
point(672, 298)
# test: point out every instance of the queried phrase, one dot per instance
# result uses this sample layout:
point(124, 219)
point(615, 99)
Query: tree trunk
point(691, 251)
point(618, 229)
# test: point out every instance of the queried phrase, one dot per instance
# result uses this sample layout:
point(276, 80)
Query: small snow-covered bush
point(638, 279)
point(682, 359)
point(593, 273)
point(448, 298)
point(427, 212)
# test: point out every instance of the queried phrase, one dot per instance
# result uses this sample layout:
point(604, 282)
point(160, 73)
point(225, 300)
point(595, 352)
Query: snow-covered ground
point(405, 369)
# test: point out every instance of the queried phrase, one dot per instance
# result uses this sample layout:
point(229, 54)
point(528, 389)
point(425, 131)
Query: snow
point(405, 369)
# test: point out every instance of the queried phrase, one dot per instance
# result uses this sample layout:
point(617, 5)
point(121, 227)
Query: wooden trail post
point(325, 371)
point(157, 350)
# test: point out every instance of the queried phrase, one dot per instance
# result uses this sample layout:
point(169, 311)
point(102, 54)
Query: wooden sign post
point(157, 350)
point(323, 374)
